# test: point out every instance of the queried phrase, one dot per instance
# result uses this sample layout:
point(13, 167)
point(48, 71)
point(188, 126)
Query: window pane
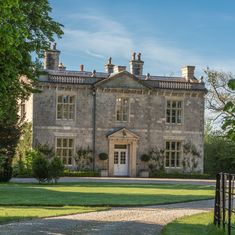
point(167, 145)
point(168, 104)
point(59, 142)
point(124, 117)
point(167, 162)
point(70, 142)
point(58, 152)
point(70, 152)
point(115, 157)
point(65, 143)
point(177, 159)
point(173, 104)
point(173, 159)
point(65, 152)
point(71, 99)
point(179, 116)
point(66, 99)
point(60, 99)
point(172, 145)
point(179, 104)
point(69, 161)
point(178, 145)
point(123, 158)
point(64, 160)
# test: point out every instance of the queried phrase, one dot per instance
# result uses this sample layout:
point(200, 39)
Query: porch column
point(111, 158)
point(133, 159)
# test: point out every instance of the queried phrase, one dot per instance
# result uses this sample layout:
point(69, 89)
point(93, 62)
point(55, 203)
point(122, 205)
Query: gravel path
point(118, 221)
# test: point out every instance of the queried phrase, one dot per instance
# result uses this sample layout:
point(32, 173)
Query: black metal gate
point(224, 211)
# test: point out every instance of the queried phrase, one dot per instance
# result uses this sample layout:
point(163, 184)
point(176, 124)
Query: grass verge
point(193, 225)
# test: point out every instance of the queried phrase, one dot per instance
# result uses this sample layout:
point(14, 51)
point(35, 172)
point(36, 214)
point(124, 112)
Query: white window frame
point(181, 109)
point(67, 148)
point(67, 104)
point(127, 112)
point(176, 151)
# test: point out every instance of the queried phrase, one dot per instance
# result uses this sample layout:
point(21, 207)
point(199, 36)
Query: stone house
point(124, 114)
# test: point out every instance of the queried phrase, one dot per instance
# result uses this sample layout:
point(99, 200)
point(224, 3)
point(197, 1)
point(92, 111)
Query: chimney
point(188, 72)
point(51, 58)
point(81, 67)
point(136, 65)
point(109, 66)
point(119, 68)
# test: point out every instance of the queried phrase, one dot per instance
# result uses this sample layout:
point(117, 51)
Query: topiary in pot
point(145, 158)
point(103, 157)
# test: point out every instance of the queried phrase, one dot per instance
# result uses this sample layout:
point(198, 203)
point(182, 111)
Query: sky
point(168, 33)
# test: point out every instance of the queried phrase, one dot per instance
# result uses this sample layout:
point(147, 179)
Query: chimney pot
point(54, 46)
point(61, 67)
point(94, 73)
point(133, 55)
point(109, 66)
point(81, 67)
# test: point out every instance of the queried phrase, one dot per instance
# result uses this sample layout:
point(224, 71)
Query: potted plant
point(103, 157)
point(145, 172)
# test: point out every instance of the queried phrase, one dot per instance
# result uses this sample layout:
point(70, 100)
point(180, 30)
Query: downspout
point(94, 128)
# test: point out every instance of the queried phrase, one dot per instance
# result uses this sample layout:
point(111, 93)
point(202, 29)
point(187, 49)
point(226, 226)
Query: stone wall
point(146, 118)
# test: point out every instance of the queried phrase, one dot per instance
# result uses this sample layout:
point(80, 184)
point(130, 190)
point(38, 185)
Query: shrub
point(103, 156)
point(5, 168)
point(40, 168)
point(23, 167)
point(56, 169)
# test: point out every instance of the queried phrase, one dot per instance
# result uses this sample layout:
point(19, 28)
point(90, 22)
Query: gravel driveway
point(125, 221)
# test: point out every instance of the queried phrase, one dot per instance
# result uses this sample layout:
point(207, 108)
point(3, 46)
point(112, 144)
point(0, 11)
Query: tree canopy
point(26, 27)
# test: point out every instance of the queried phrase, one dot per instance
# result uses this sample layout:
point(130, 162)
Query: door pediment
point(122, 134)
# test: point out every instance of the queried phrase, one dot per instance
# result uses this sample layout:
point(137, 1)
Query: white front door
point(120, 162)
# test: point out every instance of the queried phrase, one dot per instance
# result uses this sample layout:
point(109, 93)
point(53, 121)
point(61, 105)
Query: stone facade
point(95, 125)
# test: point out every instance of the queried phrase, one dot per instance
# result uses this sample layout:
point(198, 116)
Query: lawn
point(196, 224)
point(100, 194)
point(25, 201)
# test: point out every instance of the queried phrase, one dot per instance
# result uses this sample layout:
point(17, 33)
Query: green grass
point(16, 213)
point(100, 194)
point(199, 224)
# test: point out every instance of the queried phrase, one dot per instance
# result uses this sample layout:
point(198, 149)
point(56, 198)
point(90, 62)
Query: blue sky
point(168, 33)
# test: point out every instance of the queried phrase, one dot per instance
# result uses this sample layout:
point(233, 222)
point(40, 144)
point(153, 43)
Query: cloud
point(101, 36)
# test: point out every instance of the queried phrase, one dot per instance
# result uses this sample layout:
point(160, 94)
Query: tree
point(56, 168)
point(229, 108)
point(40, 168)
point(219, 93)
point(25, 28)
point(219, 153)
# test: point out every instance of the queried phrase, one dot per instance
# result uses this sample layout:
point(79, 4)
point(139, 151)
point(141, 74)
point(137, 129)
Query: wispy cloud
point(100, 37)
